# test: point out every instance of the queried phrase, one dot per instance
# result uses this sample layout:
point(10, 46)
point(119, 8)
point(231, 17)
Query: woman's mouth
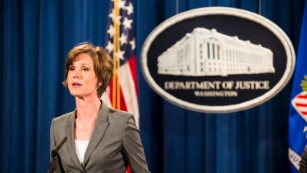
point(76, 84)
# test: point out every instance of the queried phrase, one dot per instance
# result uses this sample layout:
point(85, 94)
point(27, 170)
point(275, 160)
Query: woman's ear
point(99, 84)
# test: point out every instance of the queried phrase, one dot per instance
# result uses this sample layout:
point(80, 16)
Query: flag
point(120, 43)
point(298, 104)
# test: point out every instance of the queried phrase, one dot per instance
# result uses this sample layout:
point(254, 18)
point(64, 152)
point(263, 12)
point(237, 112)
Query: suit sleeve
point(133, 147)
point(303, 163)
point(52, 140)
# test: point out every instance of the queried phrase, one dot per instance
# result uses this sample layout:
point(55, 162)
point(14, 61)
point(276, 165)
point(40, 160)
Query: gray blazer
point(115, 142)
point(303, 162)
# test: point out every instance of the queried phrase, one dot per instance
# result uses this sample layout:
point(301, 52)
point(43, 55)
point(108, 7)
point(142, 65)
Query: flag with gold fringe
point(298, 105)
point(120, 43)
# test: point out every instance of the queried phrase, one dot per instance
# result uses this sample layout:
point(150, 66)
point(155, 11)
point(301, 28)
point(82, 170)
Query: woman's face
point(81, 77)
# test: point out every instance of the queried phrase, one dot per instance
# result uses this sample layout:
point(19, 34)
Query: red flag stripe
point(122, 101)
point(132, 64)
point(129, 91)
point(302, 96)
point(301, 104)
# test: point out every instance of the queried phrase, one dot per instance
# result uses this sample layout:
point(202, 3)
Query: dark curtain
point(35, 38)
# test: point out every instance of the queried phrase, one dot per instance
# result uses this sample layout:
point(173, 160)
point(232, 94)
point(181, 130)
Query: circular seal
point(217, 59)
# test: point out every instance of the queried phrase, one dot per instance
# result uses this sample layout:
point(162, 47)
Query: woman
point(99, 139)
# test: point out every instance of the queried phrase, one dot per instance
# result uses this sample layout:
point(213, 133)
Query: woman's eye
point(85, 69)
point(71, 68)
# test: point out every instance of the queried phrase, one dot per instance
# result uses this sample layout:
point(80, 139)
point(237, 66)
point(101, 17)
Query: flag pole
point(116, 61)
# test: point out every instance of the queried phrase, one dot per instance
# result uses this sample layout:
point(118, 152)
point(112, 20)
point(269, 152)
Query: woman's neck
point(87, 113)
point(87, 107)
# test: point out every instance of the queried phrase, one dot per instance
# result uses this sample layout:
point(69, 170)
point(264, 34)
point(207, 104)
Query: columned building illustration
point(206, 52)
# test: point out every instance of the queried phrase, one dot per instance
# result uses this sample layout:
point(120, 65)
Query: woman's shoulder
point(63, 117)
point(119, 115)
point(121, 120)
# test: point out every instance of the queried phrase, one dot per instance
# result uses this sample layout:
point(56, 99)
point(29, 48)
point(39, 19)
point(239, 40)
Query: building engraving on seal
point(206, 52)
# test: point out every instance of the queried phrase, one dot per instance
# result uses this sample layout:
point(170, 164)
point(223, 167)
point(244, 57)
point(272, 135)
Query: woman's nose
point(76, 74)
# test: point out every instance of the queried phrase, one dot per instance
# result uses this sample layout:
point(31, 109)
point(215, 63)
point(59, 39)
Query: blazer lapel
point(71, 139)
point(100, 127)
